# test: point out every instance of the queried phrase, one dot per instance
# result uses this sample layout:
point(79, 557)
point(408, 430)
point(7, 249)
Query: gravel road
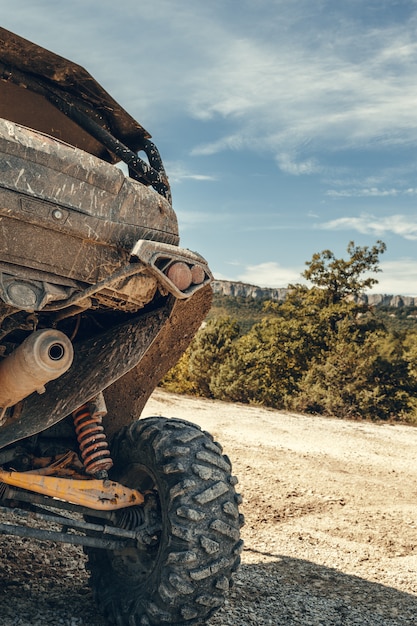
point(330, 534)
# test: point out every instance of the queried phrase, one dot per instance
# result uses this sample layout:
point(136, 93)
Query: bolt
point(57, 214)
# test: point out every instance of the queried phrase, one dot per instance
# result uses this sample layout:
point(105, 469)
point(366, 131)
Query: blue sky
point(286, 126)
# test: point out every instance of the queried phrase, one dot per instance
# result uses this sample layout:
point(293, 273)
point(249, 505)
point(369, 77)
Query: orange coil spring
point(92, 441)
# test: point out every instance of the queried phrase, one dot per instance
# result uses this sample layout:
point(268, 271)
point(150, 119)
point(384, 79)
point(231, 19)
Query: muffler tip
point(42, 357)
point(51, 350)
point(56, 352)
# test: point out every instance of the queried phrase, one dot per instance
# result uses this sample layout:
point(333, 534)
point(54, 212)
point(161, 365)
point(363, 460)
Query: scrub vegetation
point(320, 351)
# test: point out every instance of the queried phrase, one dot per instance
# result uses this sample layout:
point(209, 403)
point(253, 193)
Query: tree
point(209, 349)
point(364, 375)
point(264, 365)
point(340, 278)
point(321, 350)
point(201, 361)
point(337, 286)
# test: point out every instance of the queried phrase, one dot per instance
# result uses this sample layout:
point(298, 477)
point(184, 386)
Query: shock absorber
point(91, 437)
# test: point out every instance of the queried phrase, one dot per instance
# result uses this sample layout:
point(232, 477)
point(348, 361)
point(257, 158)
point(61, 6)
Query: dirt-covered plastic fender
point(127, 396)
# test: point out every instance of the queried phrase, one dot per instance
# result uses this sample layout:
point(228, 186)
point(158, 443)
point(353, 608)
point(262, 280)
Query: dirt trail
point(330, 505)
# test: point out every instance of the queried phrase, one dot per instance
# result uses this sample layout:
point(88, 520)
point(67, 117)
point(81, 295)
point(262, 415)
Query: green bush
point(320, 351)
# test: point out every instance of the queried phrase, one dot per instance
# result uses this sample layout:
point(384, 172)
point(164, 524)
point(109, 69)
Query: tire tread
point(203, 544)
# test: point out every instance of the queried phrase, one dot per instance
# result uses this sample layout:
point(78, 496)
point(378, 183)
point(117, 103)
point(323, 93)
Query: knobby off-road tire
point(185, 574)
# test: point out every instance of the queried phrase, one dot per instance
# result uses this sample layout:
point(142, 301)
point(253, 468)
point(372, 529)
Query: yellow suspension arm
point(104, 495)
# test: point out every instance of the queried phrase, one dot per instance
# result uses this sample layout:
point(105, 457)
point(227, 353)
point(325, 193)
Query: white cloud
point(178, 172)
point(370, 192)
point(289, 164)
point(270, 274)
point(401, 225)
point(230, 142)
point(397, 277)
point(354, 89)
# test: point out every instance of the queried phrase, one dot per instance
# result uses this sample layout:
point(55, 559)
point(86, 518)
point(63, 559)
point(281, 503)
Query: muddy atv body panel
point(78, 235)
point(97, 302)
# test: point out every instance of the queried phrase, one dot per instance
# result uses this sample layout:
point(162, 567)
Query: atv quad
point(97, 303)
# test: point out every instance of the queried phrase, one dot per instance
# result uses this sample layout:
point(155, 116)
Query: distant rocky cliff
point(243, 290)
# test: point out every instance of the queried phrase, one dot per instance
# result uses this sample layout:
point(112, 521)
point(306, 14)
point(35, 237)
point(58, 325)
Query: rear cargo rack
point(52, 95)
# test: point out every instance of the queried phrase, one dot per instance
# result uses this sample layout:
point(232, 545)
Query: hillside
point(245, 290)
point(245, 303)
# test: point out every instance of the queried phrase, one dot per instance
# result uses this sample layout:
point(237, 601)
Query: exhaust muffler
point(42, 357)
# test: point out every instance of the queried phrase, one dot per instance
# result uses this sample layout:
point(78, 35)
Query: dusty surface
point(330, 535)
